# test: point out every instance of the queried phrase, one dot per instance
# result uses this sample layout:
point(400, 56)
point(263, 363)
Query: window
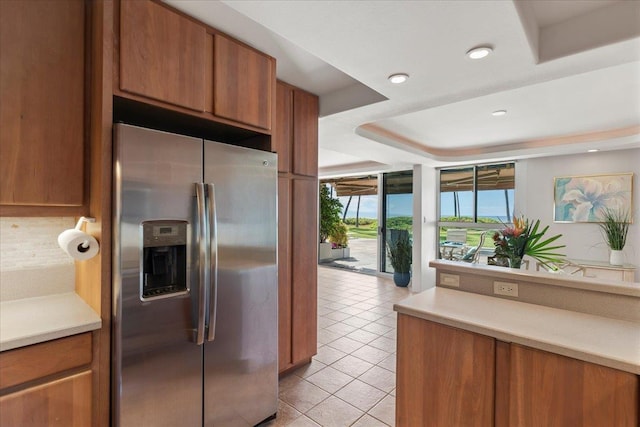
point(473, 201)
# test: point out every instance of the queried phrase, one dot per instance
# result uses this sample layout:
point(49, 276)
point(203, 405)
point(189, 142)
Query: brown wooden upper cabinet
point(162, 54)
point(305, 133)
point(42, 107)
point(295, 136)
point(243, 83)
point(282, 138)
point(171, 59)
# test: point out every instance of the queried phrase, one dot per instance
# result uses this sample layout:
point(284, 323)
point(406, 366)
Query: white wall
point(534, 199)
point(424, 227)
point(31, 262)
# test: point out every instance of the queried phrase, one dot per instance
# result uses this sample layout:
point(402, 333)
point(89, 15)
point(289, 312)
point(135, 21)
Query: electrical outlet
point(452, 280)
point(505, 288)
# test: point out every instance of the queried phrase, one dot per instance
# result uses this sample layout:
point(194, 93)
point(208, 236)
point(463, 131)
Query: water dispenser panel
point(164, 259)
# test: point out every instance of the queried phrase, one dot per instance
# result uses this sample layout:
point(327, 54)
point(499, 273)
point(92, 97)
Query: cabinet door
point(283, 132)
point(547, 389)
point(305, 133)
point(65, 402)
point(162, 54)
point(445, 376)
point(284, 273)
point(42, 65)
point(243, 84)
point(304, 268)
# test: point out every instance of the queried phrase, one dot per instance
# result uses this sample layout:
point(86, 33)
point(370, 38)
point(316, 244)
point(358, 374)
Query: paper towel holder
point(87, 244)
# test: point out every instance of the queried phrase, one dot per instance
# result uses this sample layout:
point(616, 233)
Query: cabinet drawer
point(65, 402)
point(40, 360)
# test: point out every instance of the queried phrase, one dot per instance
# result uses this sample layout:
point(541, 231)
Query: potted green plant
point(615, 226)
point(330, 209)
point(339, 241)
point(399, 250)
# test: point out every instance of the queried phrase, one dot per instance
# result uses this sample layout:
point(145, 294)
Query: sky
point(398, 205)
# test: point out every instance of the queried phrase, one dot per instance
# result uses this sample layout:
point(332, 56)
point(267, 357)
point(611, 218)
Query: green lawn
point(473, 237)
point(369, 231)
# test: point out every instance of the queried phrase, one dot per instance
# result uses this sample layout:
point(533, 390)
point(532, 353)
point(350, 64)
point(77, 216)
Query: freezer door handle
point(213, 261)
point(202, 262)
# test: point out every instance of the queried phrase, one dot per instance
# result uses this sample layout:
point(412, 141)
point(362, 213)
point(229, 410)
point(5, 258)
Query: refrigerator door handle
point(202, 262)
point(213, 290)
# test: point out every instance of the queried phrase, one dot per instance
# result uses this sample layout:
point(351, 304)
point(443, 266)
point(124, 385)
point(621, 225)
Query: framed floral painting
point(583, 198)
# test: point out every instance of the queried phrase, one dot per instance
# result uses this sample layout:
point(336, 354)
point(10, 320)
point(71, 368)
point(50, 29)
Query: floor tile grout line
point(361, 299)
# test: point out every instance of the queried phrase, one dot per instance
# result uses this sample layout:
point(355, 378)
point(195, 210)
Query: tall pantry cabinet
point(295, 139)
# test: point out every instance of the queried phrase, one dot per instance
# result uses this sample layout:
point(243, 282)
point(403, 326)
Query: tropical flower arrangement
point(525, 238)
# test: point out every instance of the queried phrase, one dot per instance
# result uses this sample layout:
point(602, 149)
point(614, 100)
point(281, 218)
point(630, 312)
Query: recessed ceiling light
point(593, 150)
point(498, 113)
point(479, 52)
point(398, 78)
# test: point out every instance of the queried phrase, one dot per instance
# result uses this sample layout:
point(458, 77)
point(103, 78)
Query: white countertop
point(33, 320)
point(601, 340)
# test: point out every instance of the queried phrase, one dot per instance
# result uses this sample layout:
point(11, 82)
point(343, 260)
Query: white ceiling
point(567, 72)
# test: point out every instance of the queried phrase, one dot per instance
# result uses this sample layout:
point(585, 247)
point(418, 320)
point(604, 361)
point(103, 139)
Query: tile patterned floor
point(351, 381)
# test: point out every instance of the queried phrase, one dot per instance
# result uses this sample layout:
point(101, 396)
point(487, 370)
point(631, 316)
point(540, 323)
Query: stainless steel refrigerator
point(194, 282)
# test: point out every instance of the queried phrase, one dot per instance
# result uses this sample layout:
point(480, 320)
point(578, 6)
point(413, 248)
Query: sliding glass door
point(397, 211)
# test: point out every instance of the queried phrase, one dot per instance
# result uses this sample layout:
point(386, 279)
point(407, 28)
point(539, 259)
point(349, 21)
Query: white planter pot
point(340, 253)
point(616, 257)
point(325, 251)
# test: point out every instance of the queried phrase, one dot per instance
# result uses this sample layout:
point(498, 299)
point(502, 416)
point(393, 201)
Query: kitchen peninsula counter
point(34, 320)
point(554, 351)
point(601, 340)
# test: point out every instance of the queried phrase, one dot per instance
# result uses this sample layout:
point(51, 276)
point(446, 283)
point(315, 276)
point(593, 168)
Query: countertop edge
point(25, 322)
point(560, 280)
point(512, 337)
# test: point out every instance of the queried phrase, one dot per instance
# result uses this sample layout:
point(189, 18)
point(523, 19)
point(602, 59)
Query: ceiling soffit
point(627, 137)
point(369, 40)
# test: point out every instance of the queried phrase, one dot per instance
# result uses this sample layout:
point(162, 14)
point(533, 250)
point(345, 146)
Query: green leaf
point(541, 250)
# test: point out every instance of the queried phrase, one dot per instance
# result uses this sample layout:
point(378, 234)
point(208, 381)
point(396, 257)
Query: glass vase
point(515, 261)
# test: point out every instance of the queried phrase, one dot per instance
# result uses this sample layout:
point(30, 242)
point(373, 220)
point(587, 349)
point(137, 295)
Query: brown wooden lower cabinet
point(284, 273)
point(304, 269)
point(546, 389)
point(451, 377)
point(64, 402)
point(445, 376)
point(298, 263)
point(48, 384)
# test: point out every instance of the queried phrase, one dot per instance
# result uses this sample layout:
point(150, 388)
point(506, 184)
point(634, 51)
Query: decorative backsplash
point(31, 262)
